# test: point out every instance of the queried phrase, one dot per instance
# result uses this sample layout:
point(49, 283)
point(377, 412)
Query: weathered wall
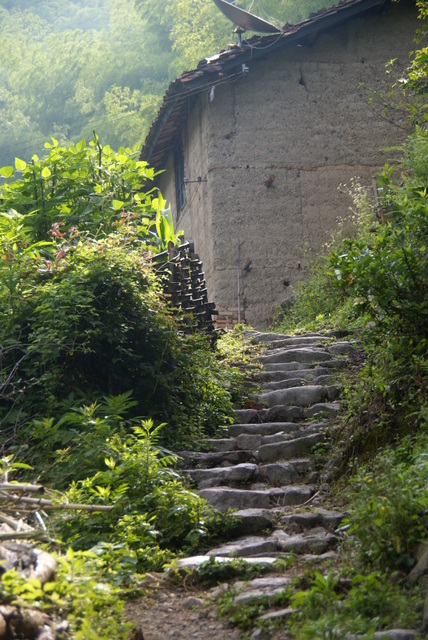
point(196, 218)
point(300, 116)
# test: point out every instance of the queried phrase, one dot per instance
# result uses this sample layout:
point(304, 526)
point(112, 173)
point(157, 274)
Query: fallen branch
point(24, 488)
point(48, 504)
point(25, 535)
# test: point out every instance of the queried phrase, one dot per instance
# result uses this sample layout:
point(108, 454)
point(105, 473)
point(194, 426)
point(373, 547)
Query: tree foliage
point(82, 311)
point(70, 66)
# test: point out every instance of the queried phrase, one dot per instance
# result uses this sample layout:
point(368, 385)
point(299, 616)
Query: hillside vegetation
point(68, 67)
point(99, 384)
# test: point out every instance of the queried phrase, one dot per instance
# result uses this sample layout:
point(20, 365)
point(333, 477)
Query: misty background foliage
point(68, 67)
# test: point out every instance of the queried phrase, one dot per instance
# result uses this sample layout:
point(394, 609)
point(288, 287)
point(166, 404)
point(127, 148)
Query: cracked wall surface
point(275, 146)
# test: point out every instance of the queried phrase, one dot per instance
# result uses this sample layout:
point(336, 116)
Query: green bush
point(386, 272)
point(95, 456)
point(80, 593)
point(315, 303)
point(390, 513)
point(82, 313)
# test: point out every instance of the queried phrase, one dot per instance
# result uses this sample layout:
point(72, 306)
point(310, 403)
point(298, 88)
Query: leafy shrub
point(82, 314)
point(387, 271)
point(368, 603)
point(79, 593)
point(99, 461)
point(315, 303)
point(390, 515)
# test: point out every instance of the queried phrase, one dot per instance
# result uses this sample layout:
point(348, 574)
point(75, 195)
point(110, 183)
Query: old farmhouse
point(256, 141)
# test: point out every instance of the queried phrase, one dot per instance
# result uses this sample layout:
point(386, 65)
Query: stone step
point(322, 410)
point(281, 375)
point(278, 474)
point(281, 413)
point(247, 416)
point(220, 444)
point(263, 428)
point(224, 498)
point(270, 338)
point(289, 383)
point(289, 449)
point(232, 476)
point(214, 459)
point(342, 349)
point(290, 367)
point(317, 541)
point(302, 355)
point(300, 396)
point(253, 520)
point(194, 562)
point(297, 396)
point(283, 384)
point(314, 517)
point(335, 364)
point(268, 587)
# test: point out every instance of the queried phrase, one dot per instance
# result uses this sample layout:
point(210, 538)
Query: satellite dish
point(244, 20)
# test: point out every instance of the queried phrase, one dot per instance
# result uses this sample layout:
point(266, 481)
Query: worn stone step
point(279, 375)
point(278, 474)
point(246, 416)
point(254, 440)
point(253, 520)
point(268, 338)
point(283, 384)
point(281, 413)
point(289, 383)
point(313, 518)
point(224, 498)
point(194, 562)
point(317, 541)
point(322, 410)
point(214, 459)
point(312, 558)
point(290, 367)
point(300, 396)
point(220, 444)
point(306, 373)
point(268, 587)
point(263, 428)
point(274, 618)
point(342, 349)
point(297, 396)
point(302, 355)
point(248, 546)
point(335, 364)
point(289, 449)
point(231, 476)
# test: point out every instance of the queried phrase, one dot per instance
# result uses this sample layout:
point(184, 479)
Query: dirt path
point(175, 612)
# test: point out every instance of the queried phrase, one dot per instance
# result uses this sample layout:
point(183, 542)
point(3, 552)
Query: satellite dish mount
point(239, 31)
point(244, 20)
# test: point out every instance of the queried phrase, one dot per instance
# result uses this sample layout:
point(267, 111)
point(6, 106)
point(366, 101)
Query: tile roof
point(229, 65)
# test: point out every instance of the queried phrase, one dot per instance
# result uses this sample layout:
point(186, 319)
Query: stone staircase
point(264, 467)
point(267, 469)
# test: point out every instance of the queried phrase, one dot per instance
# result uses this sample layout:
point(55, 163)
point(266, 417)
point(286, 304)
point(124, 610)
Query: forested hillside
point(68, 67)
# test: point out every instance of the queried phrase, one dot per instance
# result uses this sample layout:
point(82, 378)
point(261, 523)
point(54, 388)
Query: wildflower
point(54, 231)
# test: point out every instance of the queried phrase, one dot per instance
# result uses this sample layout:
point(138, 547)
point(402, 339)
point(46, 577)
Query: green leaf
point(46, 172)
point(117, 204)
point(6, 172)
point(20, 165)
